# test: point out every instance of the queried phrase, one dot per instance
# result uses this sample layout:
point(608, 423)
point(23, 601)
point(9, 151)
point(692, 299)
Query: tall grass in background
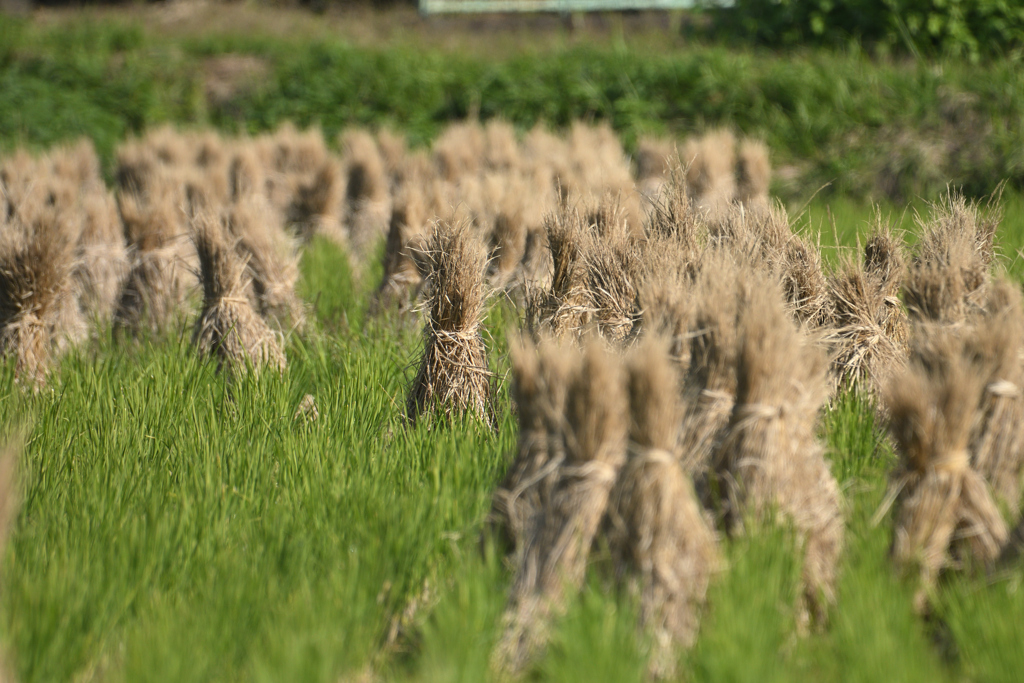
point(879, 128)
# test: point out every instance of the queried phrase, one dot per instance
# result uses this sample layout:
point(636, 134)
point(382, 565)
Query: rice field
point(285, 409)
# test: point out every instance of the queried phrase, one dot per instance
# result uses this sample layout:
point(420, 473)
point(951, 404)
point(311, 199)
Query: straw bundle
point(247, 176)
point(607, 255)
point(36, 263)
point(948, 279)
point(271, 262)
point(945, 513)
point(769, 459)
point(406, 235)
point(997, 444)
point(37, 194)
point(674, 215)
point(102, 256)
point(753, 174)
point(710, 173)
point(885, 261)
point(870, 327)
point(453, 374)
point(228, 327)
point(367, 193)
point(665, 296)
point(540, 374)
point(316, 203)
point(556, 551)
point(459, 150)
point(655, 158)
point(565, 309)
point(156, 288)
point(709, 389)
point(501, 148)
point(656, 526)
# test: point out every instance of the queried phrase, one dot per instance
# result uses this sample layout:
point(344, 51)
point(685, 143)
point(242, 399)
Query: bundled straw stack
point(407, 234)
point(945, 514)
point(769, 457)
point(367, 200)
point(997, 444)
point(577, 483)
point(869, 325)
point(540, 375)
point(555, 552)
point(36, 266)
point(709, 389)
point(271, 261)
point(657, 531)
point(228, 327)
point(453, 376)
point(149, 200)
point(948, 279)
point(594, 284)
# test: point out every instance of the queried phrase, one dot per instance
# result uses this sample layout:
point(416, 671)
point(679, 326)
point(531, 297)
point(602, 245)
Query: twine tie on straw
point(713, 395)
point(594, 470)
point(953, 463)
point(1003, 389)
point(752, 412)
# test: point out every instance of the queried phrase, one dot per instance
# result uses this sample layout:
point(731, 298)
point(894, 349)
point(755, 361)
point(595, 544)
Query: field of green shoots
point(179, 527)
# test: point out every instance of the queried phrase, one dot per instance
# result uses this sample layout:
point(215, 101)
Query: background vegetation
point(962, 28)
point(855, 124)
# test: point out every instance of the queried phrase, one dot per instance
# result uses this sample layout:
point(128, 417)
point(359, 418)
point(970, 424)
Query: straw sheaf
point(159, 279)
point(407, 236)
point(228, 327)
point(868, 332)
point(997, 444)
point(317, 201)
point(945, 513)
point(885, 261)
point(501, 146)
point(710, 173)
point(673, 214)
point(709, 388)
point(453, 376)
point(948, 279)
point(102, 256)
point(753, 174)
point(394, 154)
point(367, 191)
point(769, 458)
point(246, 175)
point(655, 158)
point(294, 152)
point(540, 374)
point(137, 167)
point(656, 526)
point(607, 256)
point(763, 237)
point(364, 168)
point(565, 309)
point(665, 295)
point(36, 263)
point(555, 557)
point(459, 150)
point(271, 263)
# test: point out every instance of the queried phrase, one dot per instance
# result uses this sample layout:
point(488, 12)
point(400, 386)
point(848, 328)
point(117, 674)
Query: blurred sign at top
point(563, 6)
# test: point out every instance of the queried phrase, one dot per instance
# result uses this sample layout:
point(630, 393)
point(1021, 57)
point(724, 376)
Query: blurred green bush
point(967, 28)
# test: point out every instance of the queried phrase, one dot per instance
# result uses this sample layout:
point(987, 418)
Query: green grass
point(875, 128)
point(179, 527)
